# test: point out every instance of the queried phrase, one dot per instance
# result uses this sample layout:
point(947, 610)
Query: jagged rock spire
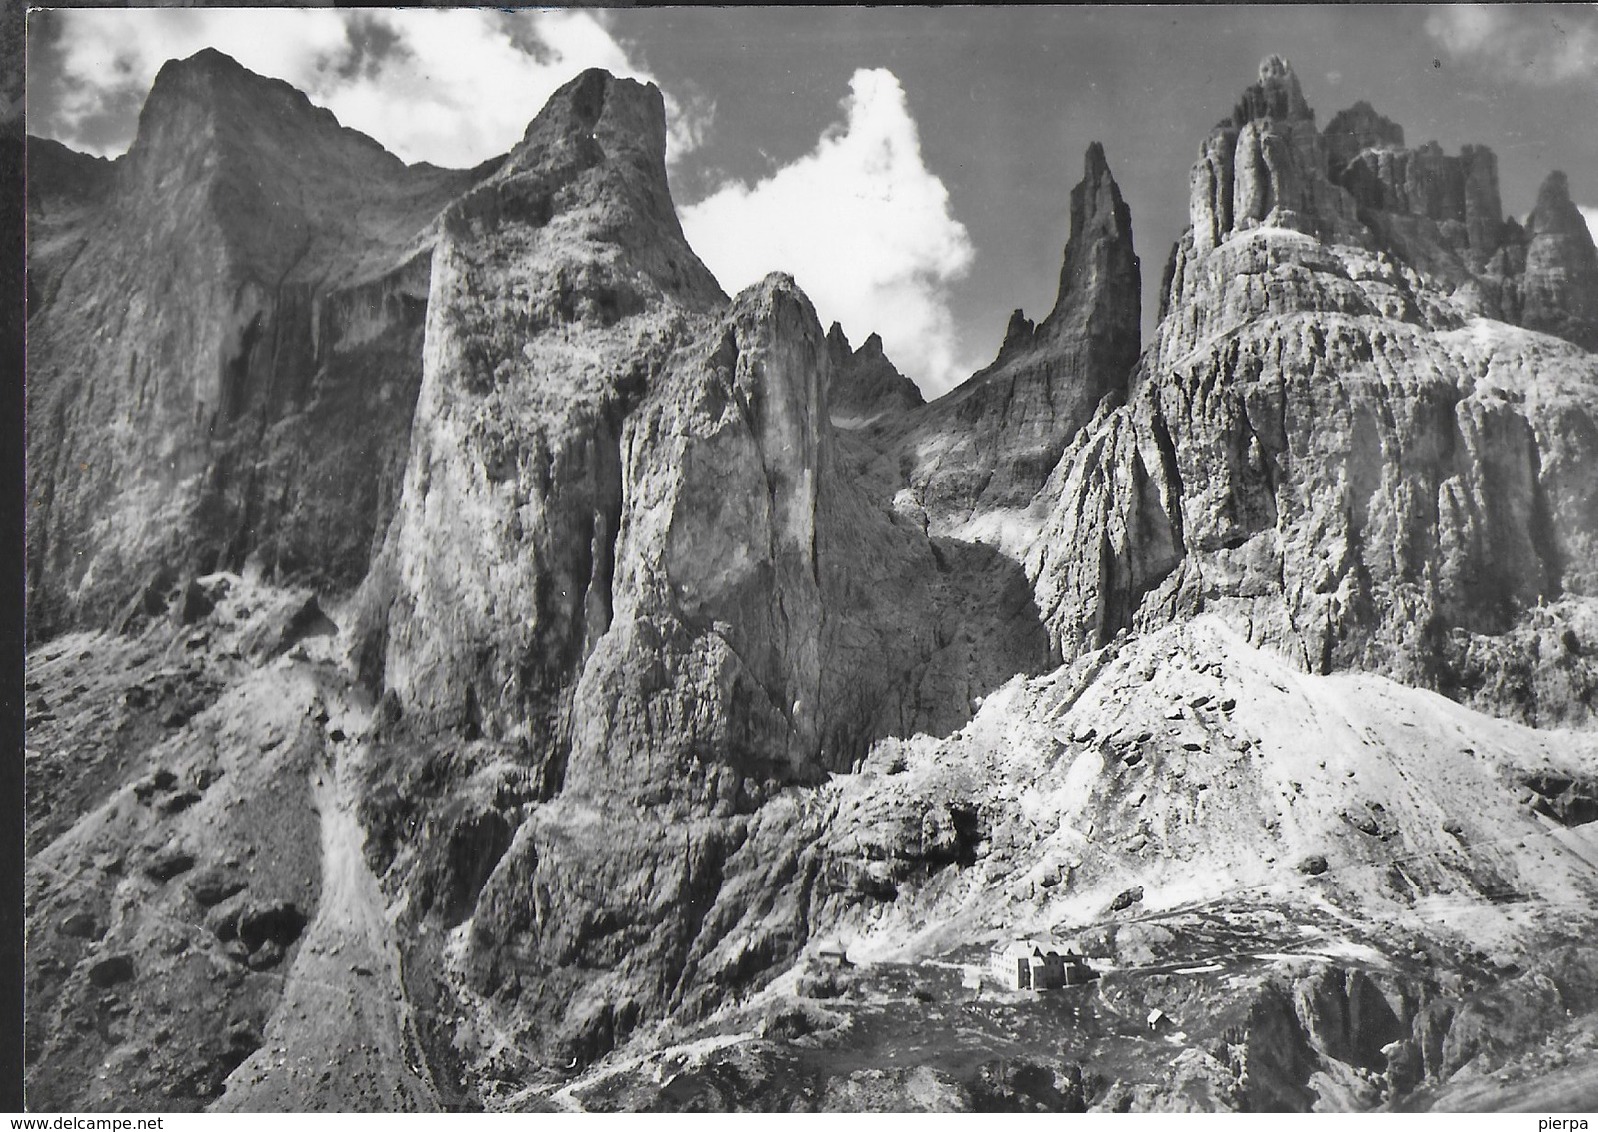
point(1359, 128)
point(1100, 279)
point(1016, 416)
point(1276, 95)
point(865, 383)
point(1559, 292)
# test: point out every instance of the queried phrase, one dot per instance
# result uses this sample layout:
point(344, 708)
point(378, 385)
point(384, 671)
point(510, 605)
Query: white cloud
point(448, 86)
point(861, 224)
point(1590, 215)
point(1536, 45)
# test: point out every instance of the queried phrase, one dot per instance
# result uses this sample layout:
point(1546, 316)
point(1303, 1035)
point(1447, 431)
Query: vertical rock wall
point(185, 411)
point(558, 288)
point(1327, 439)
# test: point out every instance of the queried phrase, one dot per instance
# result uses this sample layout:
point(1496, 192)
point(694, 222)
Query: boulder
point(212, 885)
point(82, 925)
point(1313, 865)
point(285, 626)
point(169, 862)
point(1126, 898)
point(194, 604)
point(111, 970)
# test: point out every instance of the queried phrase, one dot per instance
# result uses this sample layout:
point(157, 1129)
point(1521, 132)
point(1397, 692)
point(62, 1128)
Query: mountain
point(978, 457)
point(868, 386)
point(231, 316)
point(1335, 440)
point(479, 664)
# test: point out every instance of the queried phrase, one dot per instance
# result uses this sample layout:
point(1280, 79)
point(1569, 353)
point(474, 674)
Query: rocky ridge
point(1332, 438)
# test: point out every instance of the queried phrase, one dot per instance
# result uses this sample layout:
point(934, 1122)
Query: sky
point(911, 168)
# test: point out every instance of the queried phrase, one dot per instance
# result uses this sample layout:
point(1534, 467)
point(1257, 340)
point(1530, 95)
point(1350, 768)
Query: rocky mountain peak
point(1095, 166)
point(1556, 217)
point(1277, 95)
point(865, 383)
point(210, 100)
point(1559, 290)
point(1312, 322)
point(985, 449)
point(1554, 211)
point(1358, 128)
point(1265, 165)
point(675, 634)
point(62, 178)
point(260, 259)
point(596, 112)
point(1099, 276)
point(1017, 331)
point(1359, 184)
point(288, 189)
point(203, 74)
point(1100, 279)
point(592, 164)
point(558, 286)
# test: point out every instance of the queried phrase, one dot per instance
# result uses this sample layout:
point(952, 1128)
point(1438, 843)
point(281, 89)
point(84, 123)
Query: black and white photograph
point(1019, 559)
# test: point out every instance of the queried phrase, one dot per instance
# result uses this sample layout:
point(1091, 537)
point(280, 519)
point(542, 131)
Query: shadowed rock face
point(607, 476)
point(1322, 441)
point(770, 619)
point(867, 385)
point(628, 572)
point(718, 568)
point(1357, 129)
point(224, 343)
point(983, 451)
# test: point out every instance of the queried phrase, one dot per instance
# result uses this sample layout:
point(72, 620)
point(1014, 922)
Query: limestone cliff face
point(974, 458)
point(714, 664)
point(224, 343)
point(767, 621)
point(624, 545)
point(1264, 165)
point(559, 286)
point(1327, 439)
point(770, 619)
point(632, 581)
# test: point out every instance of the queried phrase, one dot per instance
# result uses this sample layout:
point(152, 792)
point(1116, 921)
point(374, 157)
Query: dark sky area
point(1008, 100)
point(1005, 101)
